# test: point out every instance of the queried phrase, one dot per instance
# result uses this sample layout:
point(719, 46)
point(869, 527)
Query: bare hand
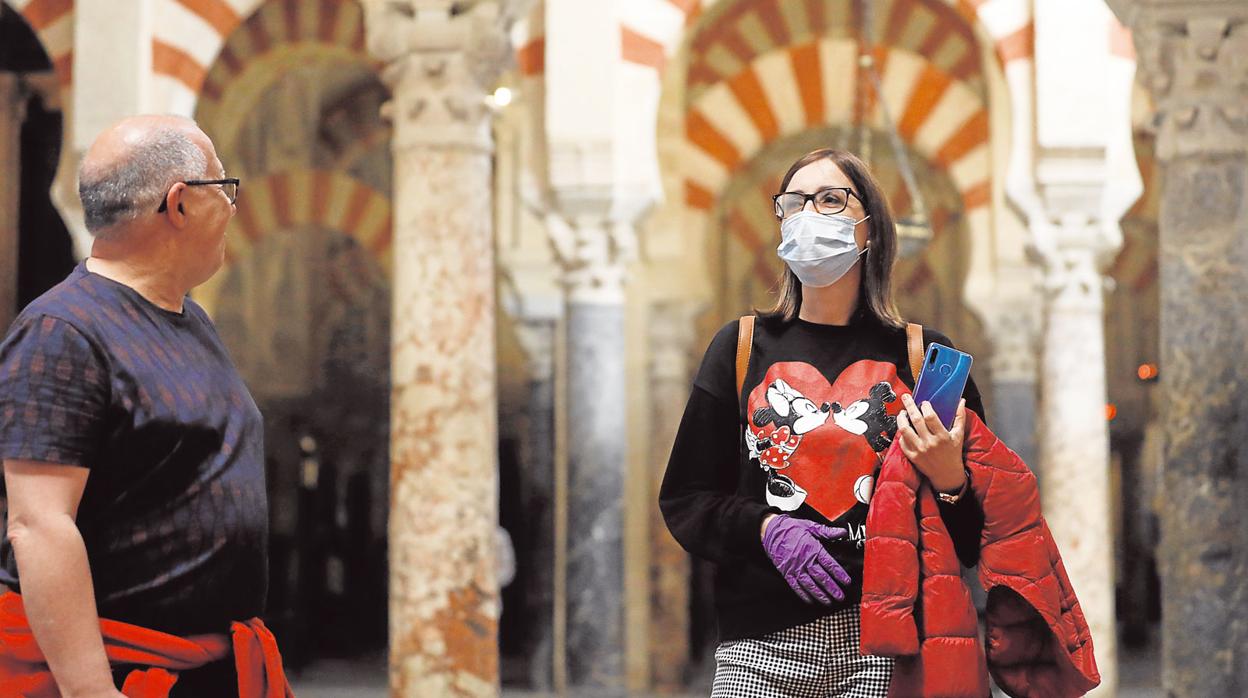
point(935, 451)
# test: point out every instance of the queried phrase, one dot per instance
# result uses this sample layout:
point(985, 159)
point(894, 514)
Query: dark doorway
point(45, 250)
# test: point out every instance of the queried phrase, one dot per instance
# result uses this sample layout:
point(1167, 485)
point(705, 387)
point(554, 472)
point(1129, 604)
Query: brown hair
point(876, 285)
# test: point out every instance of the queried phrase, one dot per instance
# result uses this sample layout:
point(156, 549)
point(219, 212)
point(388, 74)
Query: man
point(133, 453)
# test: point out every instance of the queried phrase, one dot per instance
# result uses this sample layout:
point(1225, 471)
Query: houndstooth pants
point(815, 660)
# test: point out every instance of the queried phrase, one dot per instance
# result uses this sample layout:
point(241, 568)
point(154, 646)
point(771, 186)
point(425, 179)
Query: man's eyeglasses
point(229, 185)
point(829, 201)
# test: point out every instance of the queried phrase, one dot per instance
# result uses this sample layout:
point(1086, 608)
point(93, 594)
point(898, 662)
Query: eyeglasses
point(229, 185)
point(829, 201)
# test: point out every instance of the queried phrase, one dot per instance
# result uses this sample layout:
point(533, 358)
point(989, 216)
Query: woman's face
point(824, 173)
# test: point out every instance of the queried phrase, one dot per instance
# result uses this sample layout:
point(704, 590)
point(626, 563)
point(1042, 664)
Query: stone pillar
point(1013, 332)
point(672, 334)
point(598, 116)
point(1194, 59)
point(1073, 444)
point(1081, 179)
point(442, 59)
point(537, 454)
point(12, 107)
point(593, 251)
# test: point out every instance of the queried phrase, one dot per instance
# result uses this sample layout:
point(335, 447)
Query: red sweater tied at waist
point(158, 657)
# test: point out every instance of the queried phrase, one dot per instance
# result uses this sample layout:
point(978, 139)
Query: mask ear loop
point(868, 245)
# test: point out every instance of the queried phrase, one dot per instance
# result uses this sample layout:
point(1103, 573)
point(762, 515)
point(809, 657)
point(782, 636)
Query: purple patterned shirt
point(174, 514)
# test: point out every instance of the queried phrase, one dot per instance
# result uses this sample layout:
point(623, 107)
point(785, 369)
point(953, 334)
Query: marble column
point(593, 251)
point(1194, 60)
point(672, 334)
point(537, 456)
point(1073, 443)
point(442, 58)
point(12, 101)
point(1082, 179)
point(1015, 357)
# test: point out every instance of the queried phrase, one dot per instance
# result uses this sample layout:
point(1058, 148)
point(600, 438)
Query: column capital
point(593, 253)
point(442, 60)
point(1071, 254)
point(592, 229)
point(1193, 58)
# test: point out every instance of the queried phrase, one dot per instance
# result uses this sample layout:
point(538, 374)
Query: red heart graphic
point(828, 458)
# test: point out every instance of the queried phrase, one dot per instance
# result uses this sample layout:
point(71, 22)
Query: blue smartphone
point(942, 381)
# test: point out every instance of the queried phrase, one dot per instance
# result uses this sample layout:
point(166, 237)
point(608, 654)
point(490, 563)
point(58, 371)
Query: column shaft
point(1074, 447)
point(443, 508)
point(597, 443)
point(1192, 58)
point(671, 337)
point(537, 458)
point(442, 59)
point(10, 192)
point(1203, 561)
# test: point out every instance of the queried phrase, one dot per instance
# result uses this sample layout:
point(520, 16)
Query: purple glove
point(795, 549)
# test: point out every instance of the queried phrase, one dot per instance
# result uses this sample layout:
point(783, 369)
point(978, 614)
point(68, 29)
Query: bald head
point(132, 164)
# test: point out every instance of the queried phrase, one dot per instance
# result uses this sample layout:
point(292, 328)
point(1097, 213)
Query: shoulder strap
point(745, 344)
point(914, 348)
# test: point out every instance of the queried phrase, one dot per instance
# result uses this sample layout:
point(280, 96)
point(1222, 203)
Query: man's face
point(209, 212)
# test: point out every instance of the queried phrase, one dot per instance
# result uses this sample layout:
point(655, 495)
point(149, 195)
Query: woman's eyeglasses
point(829, 201)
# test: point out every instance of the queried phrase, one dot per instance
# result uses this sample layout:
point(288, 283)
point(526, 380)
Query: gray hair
point(121, 191)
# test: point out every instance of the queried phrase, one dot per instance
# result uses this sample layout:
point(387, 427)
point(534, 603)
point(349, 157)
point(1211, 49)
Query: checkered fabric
point(814, 660)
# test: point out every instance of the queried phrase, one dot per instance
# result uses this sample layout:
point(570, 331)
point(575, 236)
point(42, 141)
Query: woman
point(772, 481)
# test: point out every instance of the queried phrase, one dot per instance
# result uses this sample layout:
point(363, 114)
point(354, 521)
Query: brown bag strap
point(914, 347)
point(745, 344)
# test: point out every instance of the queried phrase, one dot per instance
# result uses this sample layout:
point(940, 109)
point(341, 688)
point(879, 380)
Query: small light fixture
point(1147, 372)
point(502, 97)
point(1111, 411)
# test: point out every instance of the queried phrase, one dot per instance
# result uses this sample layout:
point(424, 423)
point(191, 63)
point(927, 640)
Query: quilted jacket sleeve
point(1039, 643)
point(890, 584)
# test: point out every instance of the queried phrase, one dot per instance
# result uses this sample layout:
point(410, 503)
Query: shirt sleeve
point(965, 522)
point(54, 393)
point(698, 497)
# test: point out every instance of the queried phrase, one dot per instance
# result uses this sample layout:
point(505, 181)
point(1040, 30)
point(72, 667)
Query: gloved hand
point(795, 548)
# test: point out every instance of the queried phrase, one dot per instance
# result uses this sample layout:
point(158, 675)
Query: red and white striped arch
point(812, 86)
point(287, 201)
point(189, 36)
point(652, 30)
point(53, 22)
point(331, 200)
point(932, 79)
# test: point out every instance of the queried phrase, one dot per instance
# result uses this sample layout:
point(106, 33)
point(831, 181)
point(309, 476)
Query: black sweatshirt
point(822, 404)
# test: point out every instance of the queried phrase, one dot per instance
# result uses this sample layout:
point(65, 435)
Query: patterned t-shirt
point(174, 514)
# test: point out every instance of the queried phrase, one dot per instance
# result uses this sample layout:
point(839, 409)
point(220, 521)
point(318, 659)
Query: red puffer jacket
point(915, 606)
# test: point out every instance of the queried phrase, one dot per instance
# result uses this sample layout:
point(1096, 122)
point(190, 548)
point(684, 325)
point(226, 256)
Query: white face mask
point(819, 249)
